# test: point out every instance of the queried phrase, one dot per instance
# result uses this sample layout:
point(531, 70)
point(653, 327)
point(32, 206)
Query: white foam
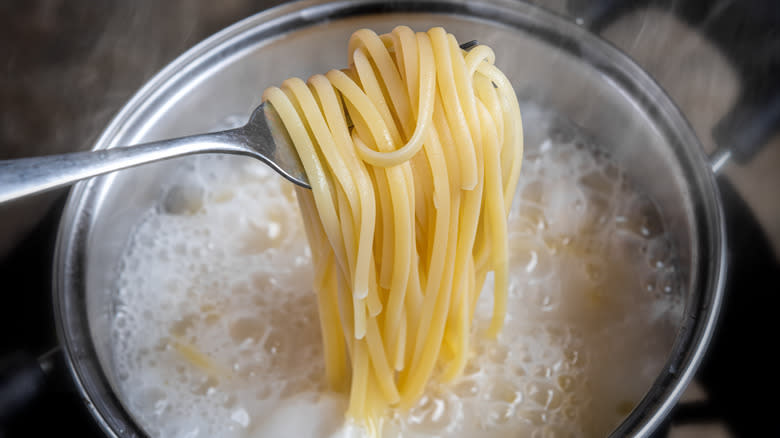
point(221, 268)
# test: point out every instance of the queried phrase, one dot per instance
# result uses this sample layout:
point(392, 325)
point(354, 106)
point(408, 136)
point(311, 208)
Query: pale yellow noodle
point(413, 153)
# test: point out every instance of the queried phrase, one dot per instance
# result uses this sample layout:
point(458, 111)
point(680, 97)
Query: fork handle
point(28, 176)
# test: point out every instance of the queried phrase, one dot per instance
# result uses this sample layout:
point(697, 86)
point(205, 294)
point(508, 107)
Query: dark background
point(67, 66)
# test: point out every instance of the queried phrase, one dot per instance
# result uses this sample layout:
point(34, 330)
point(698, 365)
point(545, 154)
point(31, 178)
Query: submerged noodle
point(413, 153)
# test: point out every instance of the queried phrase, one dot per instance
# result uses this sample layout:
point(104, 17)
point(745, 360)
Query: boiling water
point(216, 330)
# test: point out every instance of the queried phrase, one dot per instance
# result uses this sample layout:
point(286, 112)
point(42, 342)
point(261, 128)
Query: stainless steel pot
point(551, 62)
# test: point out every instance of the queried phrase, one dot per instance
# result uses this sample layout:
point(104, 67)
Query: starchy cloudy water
point(216, 332)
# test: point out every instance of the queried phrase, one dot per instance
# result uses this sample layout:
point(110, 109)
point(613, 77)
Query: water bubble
point(466, 388)
point(504, 391)
point(433, 413)
point(566, 383)
point(544, 394)
point(241, 417)
point(536, 417)
point(183, 199)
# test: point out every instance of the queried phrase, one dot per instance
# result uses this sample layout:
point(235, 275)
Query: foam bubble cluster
point(216, 334)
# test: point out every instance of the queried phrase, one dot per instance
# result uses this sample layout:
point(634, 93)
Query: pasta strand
point(413, 153)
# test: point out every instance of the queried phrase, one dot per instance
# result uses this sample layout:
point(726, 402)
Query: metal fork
point(263, 137)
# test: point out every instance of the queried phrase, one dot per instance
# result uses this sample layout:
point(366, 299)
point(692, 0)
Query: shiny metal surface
point(551, 63)
point(720, 158)
point(263, 137)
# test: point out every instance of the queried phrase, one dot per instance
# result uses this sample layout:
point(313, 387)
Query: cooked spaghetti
point(413, 153)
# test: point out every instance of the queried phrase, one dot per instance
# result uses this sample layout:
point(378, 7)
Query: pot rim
point(690, 344)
